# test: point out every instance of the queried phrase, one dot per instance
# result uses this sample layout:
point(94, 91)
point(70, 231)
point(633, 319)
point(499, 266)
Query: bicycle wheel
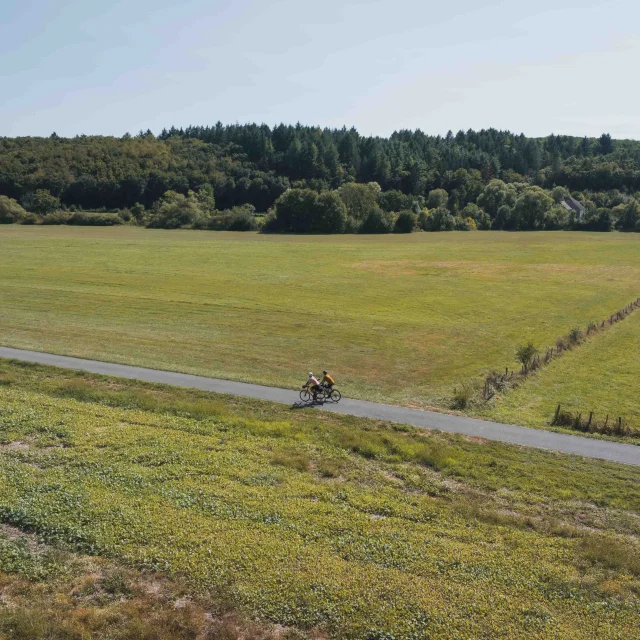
point(306, 396)
point(335, 395)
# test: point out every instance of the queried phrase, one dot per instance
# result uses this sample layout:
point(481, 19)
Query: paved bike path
point(524, 436)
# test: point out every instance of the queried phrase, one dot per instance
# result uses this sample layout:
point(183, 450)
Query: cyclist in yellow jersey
point(327, 380)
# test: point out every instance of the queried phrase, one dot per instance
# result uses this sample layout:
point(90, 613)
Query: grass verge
point(600, 375)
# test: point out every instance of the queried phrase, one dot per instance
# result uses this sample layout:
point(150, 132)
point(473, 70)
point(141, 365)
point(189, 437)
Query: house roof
point(571, 204)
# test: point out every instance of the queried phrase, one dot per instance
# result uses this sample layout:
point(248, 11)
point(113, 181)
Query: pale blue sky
point(563, 66)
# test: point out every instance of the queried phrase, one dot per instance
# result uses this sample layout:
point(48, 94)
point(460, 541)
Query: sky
point(111, 67)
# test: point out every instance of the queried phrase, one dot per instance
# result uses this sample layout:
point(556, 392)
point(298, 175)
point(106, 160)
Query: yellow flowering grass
point(318, 521)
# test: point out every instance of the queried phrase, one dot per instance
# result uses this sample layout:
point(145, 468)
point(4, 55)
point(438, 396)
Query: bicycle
point(306, 396)
point(326, 394)
point(331, 393)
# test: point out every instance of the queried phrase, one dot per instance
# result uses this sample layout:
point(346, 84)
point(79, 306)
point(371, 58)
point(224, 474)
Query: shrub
point(526, 353)
point(557, 218)
point(532, 208)
point(329, 213)
point(359, 199)
point(206, 198)
point(377, 222)
point(505, 218)
point(439, 220)
point(174, 210)
point(236, 219)
point(10, 211)
point(294, 210)
point(575, 336)
point(41, 202)
point(406, 222)
point(628, 215)
point(30, 218)
point(59, 217)
point(481, 218)
point(85, 218)
point(242, 222)
point(306, 211)
point(464, 224)
point(271, 223)
point(463, 395)
point(139, 213)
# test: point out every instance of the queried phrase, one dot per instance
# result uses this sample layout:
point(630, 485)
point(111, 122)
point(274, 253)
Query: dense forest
point(484, 179)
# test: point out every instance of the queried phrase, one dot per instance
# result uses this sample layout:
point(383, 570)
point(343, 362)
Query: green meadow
point(401, 319)
point(602, 375)
point(328, 525)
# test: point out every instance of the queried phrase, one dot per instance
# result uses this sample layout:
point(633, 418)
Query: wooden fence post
point(555, 419)
point(590, 419)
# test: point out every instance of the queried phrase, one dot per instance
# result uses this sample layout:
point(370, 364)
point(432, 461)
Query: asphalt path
point(512, 434)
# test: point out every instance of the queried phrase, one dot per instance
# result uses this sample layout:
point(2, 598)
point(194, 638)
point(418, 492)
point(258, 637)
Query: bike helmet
point(325, 372)
point(310, 374)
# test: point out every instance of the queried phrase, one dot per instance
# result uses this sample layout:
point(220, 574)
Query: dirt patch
point(153, 585)
point(389, 267)
point(13, 533)
point(475, 439)
point(18, 445)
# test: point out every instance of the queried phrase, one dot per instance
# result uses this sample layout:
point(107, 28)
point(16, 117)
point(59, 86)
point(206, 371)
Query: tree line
point(306, 177)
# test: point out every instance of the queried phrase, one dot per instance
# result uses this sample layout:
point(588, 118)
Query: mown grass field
point(399, 319)
point(327, 524)
point(602, 375)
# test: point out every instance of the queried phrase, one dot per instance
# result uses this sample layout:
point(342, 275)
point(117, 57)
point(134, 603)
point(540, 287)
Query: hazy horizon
point(558, 67)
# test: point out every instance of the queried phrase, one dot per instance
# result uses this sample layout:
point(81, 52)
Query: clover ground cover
point(326, 522)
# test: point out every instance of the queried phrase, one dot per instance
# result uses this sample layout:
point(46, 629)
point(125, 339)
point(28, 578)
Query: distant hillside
point(255, 164)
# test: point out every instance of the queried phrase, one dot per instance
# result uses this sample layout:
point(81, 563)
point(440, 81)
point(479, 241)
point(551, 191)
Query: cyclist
point(313, 385)
point(327, 380)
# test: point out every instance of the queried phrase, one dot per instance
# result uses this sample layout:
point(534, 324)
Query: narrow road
point(588, 447)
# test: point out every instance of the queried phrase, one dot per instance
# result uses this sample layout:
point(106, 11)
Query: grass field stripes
point(532, 361)
point(404, 321)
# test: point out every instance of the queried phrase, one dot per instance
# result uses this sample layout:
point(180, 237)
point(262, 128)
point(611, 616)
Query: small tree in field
point(526, 353)
point(43, 203)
